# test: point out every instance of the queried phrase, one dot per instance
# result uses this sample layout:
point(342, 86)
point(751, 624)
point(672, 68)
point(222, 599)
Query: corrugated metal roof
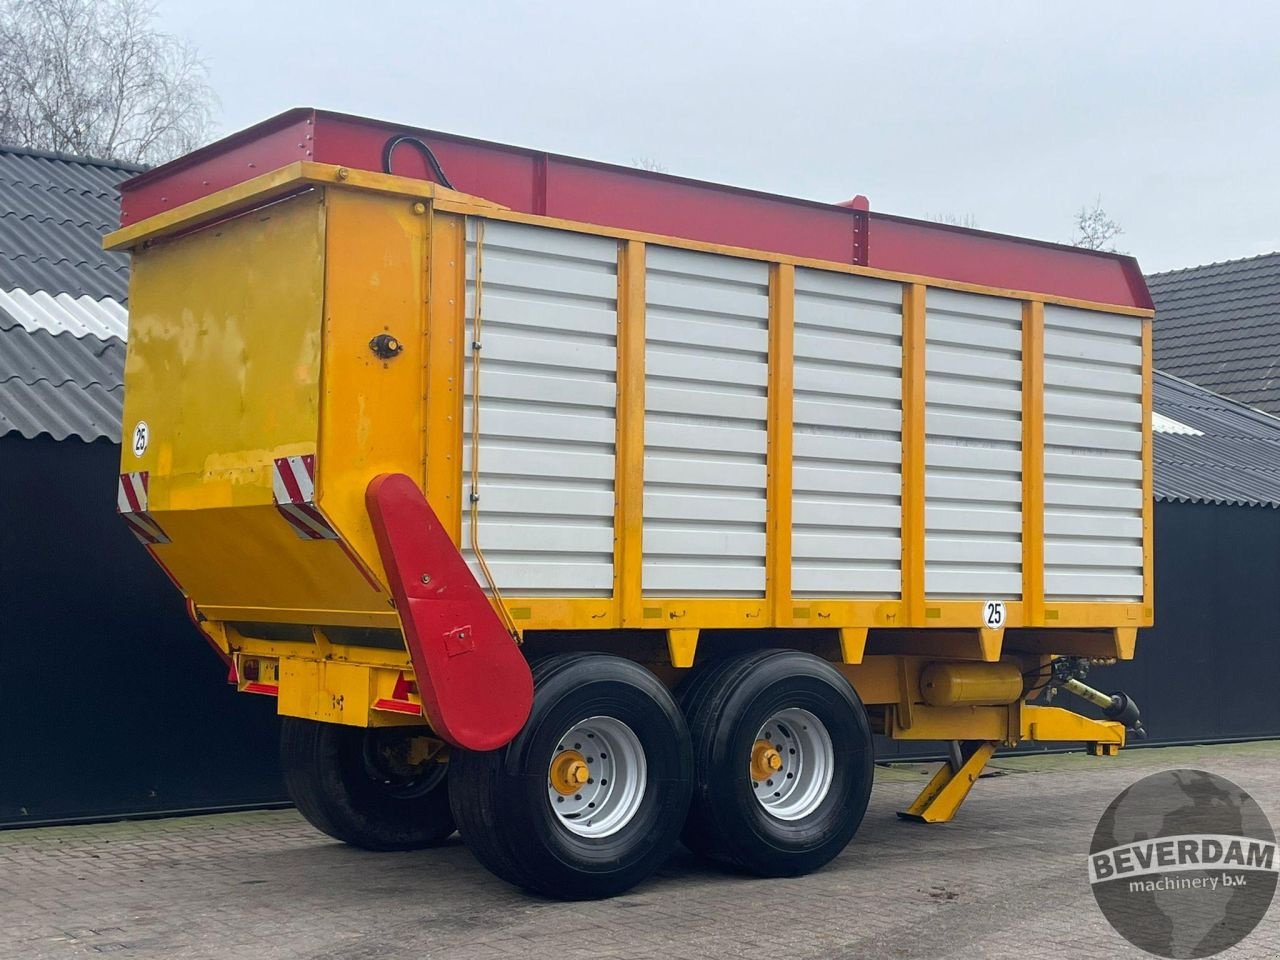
point(1234, 459)
point(74, 270)
point(61, 385)
point(62, 314)
point(33, 356)
point(54, 210)
point(1219, 325)
point(62, 412)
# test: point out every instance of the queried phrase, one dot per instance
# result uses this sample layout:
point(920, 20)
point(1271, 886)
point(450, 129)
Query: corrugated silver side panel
point(706, 357)
point(847, 476)
point(1093, 455)
point(973, 446)
point(548, 394)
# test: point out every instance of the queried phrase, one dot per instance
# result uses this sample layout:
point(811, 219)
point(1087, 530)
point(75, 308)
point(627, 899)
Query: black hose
point(432, 162)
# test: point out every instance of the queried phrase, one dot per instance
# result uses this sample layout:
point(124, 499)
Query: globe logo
point(1183, 864)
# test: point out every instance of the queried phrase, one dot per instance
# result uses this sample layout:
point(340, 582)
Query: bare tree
point(968, 220)
point(1095, 230)
point(96, 77)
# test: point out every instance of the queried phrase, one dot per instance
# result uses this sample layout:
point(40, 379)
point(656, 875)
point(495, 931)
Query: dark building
point(110, 701)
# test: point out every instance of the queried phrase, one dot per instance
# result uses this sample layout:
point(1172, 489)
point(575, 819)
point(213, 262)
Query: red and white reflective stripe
point(294, 479)
point(293, 486)
point(131, 495)
point(131, 502)
point(307, 521)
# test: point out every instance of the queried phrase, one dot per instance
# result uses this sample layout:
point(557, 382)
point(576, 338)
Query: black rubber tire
point(500, 800)
point(329, 781)
point(726, 704)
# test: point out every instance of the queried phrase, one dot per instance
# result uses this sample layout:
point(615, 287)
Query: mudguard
point(475, 684)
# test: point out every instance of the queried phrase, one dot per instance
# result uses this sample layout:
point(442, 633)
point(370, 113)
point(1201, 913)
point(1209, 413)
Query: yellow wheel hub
point(569, 771)
point(765, 760)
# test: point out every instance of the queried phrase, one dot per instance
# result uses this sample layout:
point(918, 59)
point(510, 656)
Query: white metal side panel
point(706, 358)
point(846, 536)
point(548, 394)
point(973, 446)
point(1093, 455)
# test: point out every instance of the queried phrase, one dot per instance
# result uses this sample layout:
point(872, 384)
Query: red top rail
point(532, 181)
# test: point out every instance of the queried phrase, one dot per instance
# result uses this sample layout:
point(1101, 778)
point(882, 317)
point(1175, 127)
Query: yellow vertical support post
point(628, 521)
point(1148, 494)
point(782, 299)
point(446, 310)
point(913, 452)
point(1033, 463)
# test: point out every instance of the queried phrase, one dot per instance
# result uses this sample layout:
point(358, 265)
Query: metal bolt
point(426, 578)
point(343, 173)
point(419, 208)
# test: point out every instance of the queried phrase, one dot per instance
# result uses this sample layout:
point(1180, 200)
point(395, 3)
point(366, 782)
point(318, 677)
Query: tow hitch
point(1069, 673)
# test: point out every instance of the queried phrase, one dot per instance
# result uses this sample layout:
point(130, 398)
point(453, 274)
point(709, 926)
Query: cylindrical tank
point(956, 684)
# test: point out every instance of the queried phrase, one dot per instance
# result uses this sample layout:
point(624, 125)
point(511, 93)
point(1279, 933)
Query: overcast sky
point(1013, 113)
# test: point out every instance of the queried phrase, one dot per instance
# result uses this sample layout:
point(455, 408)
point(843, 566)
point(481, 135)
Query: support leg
point(941, 799)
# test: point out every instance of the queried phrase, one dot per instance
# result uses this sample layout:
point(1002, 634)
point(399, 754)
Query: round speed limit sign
point(141, 437)
point(993, 614)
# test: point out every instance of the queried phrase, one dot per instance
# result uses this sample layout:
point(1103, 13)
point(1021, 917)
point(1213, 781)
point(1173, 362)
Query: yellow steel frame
point(1033, 460)
point(629, 485)
point(778, 456)
point(429, 224)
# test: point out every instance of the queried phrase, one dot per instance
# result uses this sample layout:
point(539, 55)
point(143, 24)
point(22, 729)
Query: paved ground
point(1007, 880)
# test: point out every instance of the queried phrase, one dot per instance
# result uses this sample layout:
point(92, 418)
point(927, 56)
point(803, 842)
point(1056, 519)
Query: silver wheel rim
point(791, 764)
point(596, 777)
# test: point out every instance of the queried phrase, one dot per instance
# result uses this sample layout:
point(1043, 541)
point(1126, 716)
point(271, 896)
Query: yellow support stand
point(940, 800)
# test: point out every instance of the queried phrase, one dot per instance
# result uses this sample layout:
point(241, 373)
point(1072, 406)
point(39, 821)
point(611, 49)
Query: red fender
point(475, 684)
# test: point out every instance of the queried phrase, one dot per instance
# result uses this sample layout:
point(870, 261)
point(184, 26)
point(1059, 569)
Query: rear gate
point(222, 414)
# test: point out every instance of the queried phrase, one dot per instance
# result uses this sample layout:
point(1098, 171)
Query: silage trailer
point(585, 508)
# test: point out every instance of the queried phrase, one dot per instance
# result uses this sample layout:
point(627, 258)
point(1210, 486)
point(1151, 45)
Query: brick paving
point(1006, 880)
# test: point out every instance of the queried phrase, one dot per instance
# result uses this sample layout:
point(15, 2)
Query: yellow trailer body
point(250, 341)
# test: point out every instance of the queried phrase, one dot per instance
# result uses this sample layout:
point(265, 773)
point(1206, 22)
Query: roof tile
point(1219, 325)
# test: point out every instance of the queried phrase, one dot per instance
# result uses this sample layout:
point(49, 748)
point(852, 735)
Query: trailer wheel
point(380, 789)
point(783, 762)
point(589, 798)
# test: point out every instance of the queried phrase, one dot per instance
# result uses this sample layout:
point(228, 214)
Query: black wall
point(110, 701)
point(1209, 668)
